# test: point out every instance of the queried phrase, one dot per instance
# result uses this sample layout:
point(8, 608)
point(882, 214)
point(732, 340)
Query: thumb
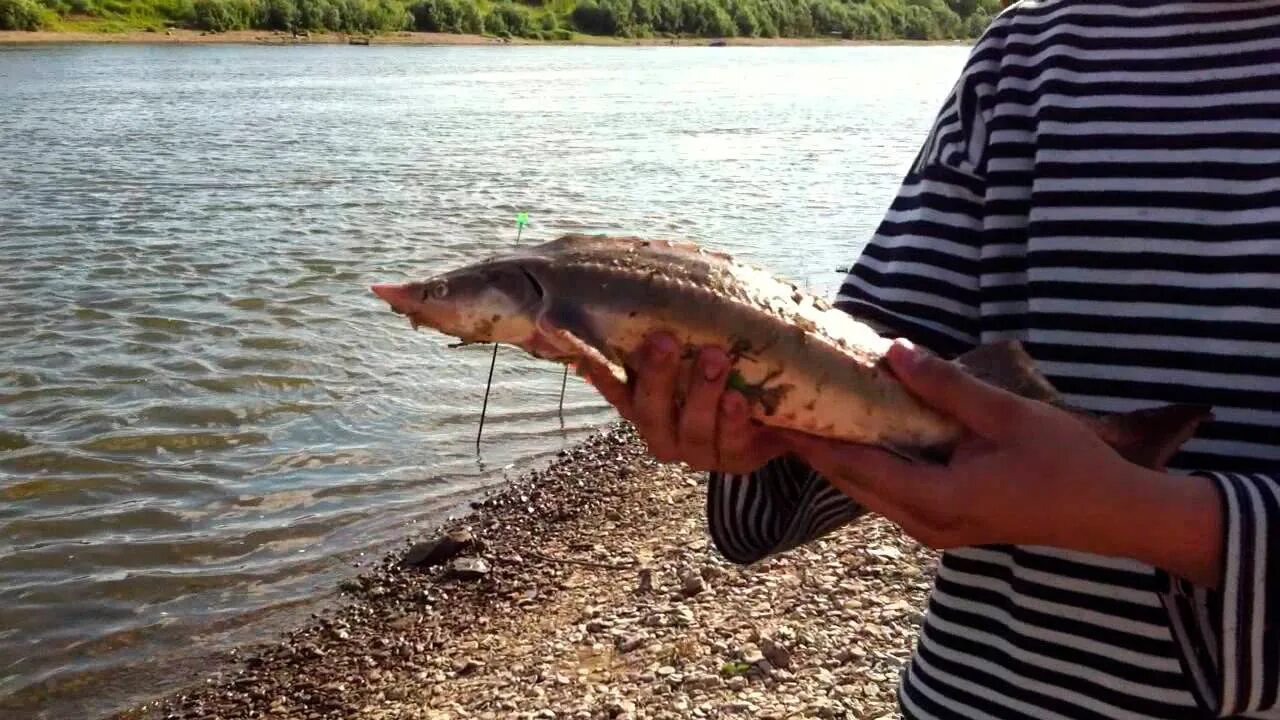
point(983, 408)
point(899, 489)
point(854, 463)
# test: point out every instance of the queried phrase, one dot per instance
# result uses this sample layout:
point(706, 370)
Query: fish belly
point(818, 390)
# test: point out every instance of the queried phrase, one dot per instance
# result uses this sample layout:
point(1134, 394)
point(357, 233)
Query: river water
point(206, 418)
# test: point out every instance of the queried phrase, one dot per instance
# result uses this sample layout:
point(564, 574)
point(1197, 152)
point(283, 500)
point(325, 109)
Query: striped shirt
point(1103, 184)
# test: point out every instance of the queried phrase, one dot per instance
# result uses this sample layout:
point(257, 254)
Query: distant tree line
point(543, 19)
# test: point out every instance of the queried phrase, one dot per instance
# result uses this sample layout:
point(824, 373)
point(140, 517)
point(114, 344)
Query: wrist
point(1170, 521)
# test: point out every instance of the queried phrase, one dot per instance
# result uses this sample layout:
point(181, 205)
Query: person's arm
point(1229, 636)
point(1212, 537)
point(917, 278)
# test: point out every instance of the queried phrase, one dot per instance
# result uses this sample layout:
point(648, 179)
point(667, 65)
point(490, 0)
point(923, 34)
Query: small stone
point(632, 642)
point(645, 584)
point(751, 655)
point(887, 552)
point(849, 654)
point(702, 681)
point(620, 707)
point(665, 670)
point(469, 568)
point(777, 655)
point(848, 691)
point(824, 709)
point(691, 583)
point(439, 549)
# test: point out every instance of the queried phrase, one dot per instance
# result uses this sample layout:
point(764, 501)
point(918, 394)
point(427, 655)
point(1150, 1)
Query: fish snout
point(396, 295)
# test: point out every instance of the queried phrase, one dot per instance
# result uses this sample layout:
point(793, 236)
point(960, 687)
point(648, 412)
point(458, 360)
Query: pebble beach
point(590, 589)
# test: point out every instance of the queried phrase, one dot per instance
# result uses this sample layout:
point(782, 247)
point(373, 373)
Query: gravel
point(590, 590)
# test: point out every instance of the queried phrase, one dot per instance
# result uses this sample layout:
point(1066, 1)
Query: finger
point(684, 378)
point(861, 464)
point(734, 430)
point(906, 493)
point(980, 406)
point(654, 398)
point(697, 433)
point(743, 445)
point(870, 469)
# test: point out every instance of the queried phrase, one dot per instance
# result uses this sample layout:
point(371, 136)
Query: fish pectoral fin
point(570, 328)
point(1152, 436)
point(567, 347)
point(575, 319)
point(1007, 365)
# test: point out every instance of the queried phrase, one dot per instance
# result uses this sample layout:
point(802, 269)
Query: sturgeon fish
point(802, 363)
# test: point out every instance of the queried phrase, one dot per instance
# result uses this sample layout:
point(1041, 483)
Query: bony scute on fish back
point(804, 364)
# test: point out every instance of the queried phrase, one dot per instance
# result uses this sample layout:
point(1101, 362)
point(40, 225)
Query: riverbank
point(267, 37)
point(590, 590)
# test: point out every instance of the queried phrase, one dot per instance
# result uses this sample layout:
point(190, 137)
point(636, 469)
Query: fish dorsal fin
point(1007, 365)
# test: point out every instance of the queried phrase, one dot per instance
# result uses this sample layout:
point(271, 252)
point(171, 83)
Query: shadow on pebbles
point(590, 590)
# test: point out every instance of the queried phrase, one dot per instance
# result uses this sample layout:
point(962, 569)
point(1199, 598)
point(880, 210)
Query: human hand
point(711, 430)
point(1026, 472)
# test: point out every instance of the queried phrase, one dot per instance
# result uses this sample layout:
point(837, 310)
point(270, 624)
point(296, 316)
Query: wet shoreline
point(590, 589)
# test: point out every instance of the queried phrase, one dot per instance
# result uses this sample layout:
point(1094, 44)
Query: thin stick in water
point(483, 408)
point(563, 382)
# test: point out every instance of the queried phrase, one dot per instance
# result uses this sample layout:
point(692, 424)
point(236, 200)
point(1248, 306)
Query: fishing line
point(522, 219)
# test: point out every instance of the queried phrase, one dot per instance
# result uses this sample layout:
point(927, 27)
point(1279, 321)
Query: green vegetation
point(24, 15)
point(541, 19)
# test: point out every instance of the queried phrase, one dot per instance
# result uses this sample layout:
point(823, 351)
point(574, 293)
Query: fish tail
point(1152, 436)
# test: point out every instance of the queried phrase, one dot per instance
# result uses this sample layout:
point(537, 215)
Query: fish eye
point(438, 290)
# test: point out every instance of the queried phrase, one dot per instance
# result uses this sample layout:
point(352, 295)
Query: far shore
point(268, 37)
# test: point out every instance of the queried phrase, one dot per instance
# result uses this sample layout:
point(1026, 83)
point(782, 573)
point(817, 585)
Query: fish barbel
point(802, 363)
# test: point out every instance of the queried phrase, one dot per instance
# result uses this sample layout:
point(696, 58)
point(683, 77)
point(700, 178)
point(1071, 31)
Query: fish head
point(487, 302)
